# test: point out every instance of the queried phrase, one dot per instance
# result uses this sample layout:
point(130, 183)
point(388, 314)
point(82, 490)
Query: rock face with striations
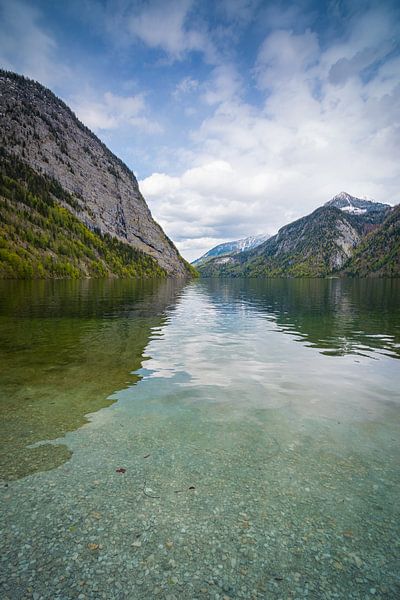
point(45, 134)
point(317, 245)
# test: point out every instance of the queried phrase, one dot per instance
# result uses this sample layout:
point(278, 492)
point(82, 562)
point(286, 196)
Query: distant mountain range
point(68, 206)
point(345, 236)
point(229, 248)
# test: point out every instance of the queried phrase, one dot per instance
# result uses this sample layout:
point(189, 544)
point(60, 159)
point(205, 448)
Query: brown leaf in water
point(348, 533)
point(93, 546)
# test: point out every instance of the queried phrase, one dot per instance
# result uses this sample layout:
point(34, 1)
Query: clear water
point(242, 442)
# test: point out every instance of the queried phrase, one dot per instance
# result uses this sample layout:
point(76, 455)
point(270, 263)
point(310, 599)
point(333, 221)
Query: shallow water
point(254, 424)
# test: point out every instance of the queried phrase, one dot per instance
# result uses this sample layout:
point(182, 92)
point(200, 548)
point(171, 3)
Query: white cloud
point(114, 111)
point(285, 57)
point(255, 168)
point(159, 183)
point(25, 47)
point(284, 126)
point(165, 27)
point(186, 86)
point(209, 202)
point(224, 84)
point(372, 37)
point(196, 247)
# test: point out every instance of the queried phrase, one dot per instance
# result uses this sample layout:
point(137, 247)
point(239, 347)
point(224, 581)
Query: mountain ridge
point(379, 252)
point(354, 205)
point(42, 132)
point(234, 246)
point(317, 245)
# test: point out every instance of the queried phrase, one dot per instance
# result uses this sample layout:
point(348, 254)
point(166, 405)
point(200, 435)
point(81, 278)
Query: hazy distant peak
point(234, 247)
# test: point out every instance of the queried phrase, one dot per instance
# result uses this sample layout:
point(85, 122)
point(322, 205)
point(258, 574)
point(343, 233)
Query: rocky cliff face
point(314, 245)
point(317, 245)
point(378, 255)
point(44, 133)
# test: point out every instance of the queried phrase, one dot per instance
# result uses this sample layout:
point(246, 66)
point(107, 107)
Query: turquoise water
point(220, 439)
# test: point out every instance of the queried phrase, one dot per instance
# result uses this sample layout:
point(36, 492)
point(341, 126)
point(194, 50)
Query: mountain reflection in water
point(245, 441)
point(65, 347)
point(337, 316)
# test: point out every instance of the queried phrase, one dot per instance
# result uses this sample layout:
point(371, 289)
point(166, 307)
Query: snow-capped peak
point(343, 196)
point(356, 206)
point(234, 247)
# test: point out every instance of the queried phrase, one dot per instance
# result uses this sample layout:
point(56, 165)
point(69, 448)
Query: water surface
point(244, 444)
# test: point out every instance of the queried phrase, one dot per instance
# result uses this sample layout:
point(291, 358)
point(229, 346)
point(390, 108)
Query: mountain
point(378, 254)
point(316, 245)
point(357, 206)
point(231, 248)
point(60, 183)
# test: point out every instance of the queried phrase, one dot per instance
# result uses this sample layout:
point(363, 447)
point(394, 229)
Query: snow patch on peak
point(234, 247)
point(342, 196)
point(356, 206)
point(353, 210)
point(250, 242)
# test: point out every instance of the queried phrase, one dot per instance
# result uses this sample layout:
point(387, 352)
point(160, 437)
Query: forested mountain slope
point(40, 132)
point(317, 245)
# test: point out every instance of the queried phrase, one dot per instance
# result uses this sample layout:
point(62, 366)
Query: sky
point(236, 116)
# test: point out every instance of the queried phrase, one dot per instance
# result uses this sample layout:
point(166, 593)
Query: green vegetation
point(304, 248)
point(193, 272)
point(288, 266)
point(41, 238)
point(379, 254)
point(310, 247)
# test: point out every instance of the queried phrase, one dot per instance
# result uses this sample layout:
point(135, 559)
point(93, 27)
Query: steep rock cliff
point(40, 130)
point(317, 245)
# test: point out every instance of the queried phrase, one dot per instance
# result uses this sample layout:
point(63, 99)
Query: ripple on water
point(235, 463)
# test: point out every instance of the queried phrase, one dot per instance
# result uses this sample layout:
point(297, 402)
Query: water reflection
point(87, 298)
point(263, 345)
point(65, 346)
point(253, 464)
point(337, 316)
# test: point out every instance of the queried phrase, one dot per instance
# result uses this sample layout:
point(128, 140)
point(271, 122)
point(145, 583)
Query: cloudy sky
point(237, 116)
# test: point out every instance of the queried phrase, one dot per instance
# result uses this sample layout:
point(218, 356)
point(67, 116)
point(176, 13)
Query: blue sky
point(237, 116)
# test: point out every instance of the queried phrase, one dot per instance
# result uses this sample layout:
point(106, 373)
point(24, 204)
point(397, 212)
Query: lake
point(215, 439)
